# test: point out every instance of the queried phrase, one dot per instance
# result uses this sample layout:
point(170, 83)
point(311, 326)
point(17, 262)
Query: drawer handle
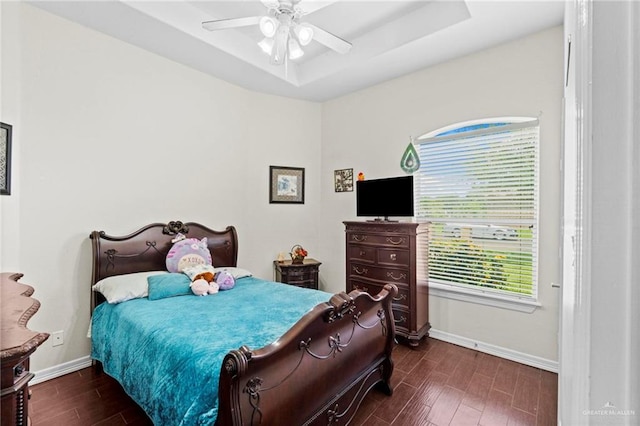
point(401, 277)
point(362, 252)
point(392, 241)
point(362, 288)
point(401, 297)
point(393, 256)
point(360, 272)
point(359, 238)
point(401, 319)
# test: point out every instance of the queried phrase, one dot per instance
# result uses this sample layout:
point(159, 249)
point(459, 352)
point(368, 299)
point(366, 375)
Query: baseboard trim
point(532, 360)
point(61, 370)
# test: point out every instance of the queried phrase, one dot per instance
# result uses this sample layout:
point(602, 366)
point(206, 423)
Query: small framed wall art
point(343, 180)
point(286, 185)
point(5, 159)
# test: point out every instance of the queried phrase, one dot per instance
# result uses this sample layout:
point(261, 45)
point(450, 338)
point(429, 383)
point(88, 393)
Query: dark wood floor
point(437, 384)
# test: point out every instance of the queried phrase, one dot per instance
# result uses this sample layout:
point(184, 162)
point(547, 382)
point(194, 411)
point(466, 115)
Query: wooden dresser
point(303, 274)
point(17, 344)
point(380, 252)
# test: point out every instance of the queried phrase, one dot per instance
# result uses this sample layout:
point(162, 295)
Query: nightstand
point(303, 274)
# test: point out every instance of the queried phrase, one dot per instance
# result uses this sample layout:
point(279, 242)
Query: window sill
point(483, 298)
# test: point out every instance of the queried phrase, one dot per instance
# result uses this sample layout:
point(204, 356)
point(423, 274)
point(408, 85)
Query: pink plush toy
point(203, 284)
point(201, 287)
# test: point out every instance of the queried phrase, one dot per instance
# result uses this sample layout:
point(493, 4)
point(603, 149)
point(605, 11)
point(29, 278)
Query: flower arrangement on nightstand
point(298, 253)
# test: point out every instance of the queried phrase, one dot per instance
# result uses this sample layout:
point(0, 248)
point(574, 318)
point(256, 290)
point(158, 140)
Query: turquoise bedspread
point(167, 353)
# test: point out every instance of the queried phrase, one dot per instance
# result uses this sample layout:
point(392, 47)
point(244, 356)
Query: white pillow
point(120, 288)
point(236, 272)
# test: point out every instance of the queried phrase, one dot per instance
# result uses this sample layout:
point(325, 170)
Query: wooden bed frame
point(317, 373)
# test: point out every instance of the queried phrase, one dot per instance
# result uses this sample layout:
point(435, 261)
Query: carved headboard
point(146, 249)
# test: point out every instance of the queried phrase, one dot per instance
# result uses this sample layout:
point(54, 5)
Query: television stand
point(386, 219)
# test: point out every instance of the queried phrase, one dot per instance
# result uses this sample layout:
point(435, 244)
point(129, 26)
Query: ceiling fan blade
point(331, 41)
point(271, 4)
point(310, 6)
point(223, 24)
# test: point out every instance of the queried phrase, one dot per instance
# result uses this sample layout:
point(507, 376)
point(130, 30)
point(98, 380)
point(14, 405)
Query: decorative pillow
point(187, 252)
point(120, 288)
point(237, 273)
point(168, 285)
point(192, 271)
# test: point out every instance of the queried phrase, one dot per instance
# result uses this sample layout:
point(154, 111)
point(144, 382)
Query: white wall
point(369, 131)
point(112, 137)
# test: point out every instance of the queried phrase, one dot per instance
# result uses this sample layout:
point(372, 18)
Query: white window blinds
point(477, 187)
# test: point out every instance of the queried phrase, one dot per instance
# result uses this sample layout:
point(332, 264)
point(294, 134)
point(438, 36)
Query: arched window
point(477, 187)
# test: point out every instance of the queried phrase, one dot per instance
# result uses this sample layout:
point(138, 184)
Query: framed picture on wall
point(286, 185)
point(5, 159)
point(343, 180)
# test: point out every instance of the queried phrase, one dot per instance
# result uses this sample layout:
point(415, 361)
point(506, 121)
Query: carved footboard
point(319, 371)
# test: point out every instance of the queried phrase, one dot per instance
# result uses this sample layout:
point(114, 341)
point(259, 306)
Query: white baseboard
point(61, 370)
point(533, 361)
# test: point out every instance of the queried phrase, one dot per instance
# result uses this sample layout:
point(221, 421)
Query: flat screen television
point(384, 198)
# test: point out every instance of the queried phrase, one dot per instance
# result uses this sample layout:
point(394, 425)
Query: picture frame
point(5, 158)
point(286, 185)
point(343, 180)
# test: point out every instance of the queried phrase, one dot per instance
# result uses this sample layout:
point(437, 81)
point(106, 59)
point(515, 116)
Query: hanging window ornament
point(410, 161)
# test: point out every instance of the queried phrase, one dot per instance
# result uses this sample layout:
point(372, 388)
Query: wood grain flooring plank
point(431, 389)
point(506, 377)
point(497, 409)
point(445, 407)
point(526, 393)
point(476, 394)
point(521, 418)
point(420, 373)
point(466, 416)
point(414, 413)
point(389, 408)
point(487, 365)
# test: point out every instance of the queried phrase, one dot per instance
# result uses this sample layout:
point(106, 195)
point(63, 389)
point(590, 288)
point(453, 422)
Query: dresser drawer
point(310, 283)
point(361, 253)
point(394, 276)
point(401, 318)
point(393, 257)
point(402, 298)
point(297, 273)
point(391, 240)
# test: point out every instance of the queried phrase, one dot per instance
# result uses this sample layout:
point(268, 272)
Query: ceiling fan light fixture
point(304, 33)
point(295, 51)
point(268, 26)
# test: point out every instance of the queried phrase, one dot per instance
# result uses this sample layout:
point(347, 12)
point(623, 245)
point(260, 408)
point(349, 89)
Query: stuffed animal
point(187, 252)
point(204, 284)
point(225, 280)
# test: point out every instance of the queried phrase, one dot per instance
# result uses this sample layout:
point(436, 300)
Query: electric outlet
point(57, 338)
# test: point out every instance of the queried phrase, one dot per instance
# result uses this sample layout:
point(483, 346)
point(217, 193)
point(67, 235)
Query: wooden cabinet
point(303, 274)
point(380, 252)
point(18, 343)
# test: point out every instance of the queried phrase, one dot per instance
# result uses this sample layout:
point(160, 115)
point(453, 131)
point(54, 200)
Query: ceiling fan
point(283, 31)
